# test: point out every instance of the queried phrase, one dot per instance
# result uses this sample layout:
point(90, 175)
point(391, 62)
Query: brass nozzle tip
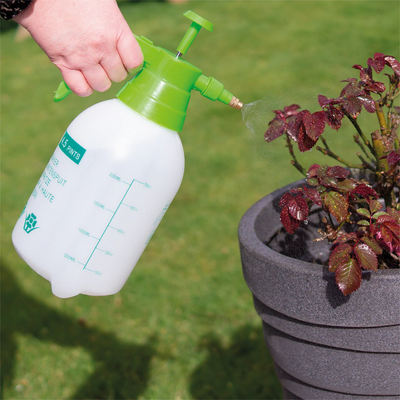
point(236, 103)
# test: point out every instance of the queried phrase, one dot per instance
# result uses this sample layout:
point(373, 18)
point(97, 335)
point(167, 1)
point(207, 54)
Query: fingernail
point(135, 70)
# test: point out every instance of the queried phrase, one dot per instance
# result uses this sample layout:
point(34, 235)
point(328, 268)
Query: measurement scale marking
point(119, 205)
point(108, 225)
point(133, 208)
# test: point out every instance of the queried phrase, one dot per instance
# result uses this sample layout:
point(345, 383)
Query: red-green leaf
point(276, 128)
point(339, 255)
point(373, 244)
point(329, 181)
point(365, 191)
point(291, 128)
point(304, 142)
point(393, 63)
point(291, 110)
point(348, 276)
point(313, 171)
point(313, 195)
point(375, 205)
point(296, 190)
point(285, 200)
point(322, 171)
point(367, 82)
point(364, 212)
point(353, 106)
point(296, 205)
point(394, 157)
point(351, 89)
point(308, 127)
point(315, 124)
point(394, 213)
point(390, 222)
point(313, 181)
point(366, 257)
point(334, 117)
point(379, 214)
point(302, 125)
point(281, 123)
point(387, 235)
point(323, 100)
point(385, 218)
point(363, 222)
point(336, 204)
point(346, 237)
point(338, 172)
point(368, 103)
point(378, 62)
point(289, 223)
point(347, 184)
point(298, 208)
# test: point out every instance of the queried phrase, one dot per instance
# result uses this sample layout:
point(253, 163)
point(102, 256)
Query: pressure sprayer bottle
point(113, 176)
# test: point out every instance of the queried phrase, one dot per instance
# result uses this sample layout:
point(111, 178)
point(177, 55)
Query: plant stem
point(381, 118)
point(380, 151)
point(327, 151)
point(379, 138)
point(366, 163)
point(393, 126)
point(361, 133)
point(392, 119)
point(357, 140)
point(294, 161)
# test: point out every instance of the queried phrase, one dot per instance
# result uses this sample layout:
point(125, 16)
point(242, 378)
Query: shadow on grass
point(241, 370)
point(122, 369)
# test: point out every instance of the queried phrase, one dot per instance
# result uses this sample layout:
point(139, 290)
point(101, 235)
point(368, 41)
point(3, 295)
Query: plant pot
point(325, 345)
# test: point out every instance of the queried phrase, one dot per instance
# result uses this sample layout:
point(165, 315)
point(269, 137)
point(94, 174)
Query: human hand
point(88, 40)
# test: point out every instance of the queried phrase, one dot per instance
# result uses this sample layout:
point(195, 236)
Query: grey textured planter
point(325, 345)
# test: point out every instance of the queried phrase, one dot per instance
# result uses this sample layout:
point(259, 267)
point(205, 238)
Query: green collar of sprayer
point(161, 90)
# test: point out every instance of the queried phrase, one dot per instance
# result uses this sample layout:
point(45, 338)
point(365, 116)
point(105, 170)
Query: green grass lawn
point(183, 327)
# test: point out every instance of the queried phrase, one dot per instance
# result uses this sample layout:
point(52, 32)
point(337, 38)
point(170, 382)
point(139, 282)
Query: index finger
point(129, 50)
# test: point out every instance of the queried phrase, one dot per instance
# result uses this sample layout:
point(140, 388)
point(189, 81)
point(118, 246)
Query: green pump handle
point(161, 90)
point(190, 35)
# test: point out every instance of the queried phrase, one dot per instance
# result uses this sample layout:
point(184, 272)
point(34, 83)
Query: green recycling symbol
point(30, 223)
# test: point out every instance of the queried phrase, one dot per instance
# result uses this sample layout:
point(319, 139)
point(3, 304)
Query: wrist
point(23, 15)
point(11, 9)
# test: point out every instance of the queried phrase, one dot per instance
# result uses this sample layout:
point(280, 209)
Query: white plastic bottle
point(113, 176)
point(99, 200)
